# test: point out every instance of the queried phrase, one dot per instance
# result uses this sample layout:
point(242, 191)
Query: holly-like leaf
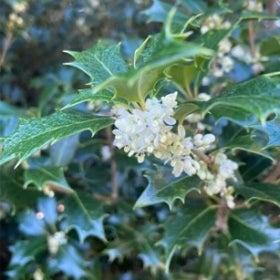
point(168, 193)
point(33, 134)
point(260, 192)
point(248, 228)
point(68, 257)
point(11, 189)
point(245, 102)
point(84, 214)
point(259, 96)
point(86, 95)
point(100, 63)
point(247, 143)
point(24, 251)
point(186, 228)
point(47, 178)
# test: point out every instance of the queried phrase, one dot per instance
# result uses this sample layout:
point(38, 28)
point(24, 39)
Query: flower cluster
point(151, 131)
point(214, 22)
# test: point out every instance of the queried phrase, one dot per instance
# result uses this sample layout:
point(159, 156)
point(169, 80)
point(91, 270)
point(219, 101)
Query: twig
point(252, 37)
point(274, 174)
point(114, 197)
point(6, 44)
point(207, 159)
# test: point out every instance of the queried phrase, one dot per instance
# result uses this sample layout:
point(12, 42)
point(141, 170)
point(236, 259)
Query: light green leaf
point(248, 228)
point(33, 134)
point(86, 95)
point(168, 193)
point(84, 214)
point(101, 62)
point(47, 178)
point(187, 227)
point(260, 192)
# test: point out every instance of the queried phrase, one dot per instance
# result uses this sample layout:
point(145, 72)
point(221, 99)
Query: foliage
point(164, 165)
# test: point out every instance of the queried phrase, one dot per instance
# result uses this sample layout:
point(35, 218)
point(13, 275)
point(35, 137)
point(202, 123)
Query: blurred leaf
point(248, 228)
point(62, 151)
point(270, 46)
point(159, 10)
point(189, 226)
point(11, 189)
point(31, 224)
point(7, 110)
point(272, 130)
point(25, 251)
point(47, 178)
point(260, 192)
point(84, 214)
point(169, 193)
point(33, 134)
point(69, 261)
point(195, 6)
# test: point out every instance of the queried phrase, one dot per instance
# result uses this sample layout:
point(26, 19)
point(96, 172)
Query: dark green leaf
point(11, 189)
point(168, 193)
point(258, 97)
point(84, 214)
point(47, 178)
point(260, 192)
point(251, 230)
point(187, 228)
point(33, 134)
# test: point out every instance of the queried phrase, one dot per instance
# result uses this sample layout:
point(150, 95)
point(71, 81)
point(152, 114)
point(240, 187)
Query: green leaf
point(270, 46)
point(101, 62)
point(70, 262)
point(256, 98)
point(33, 134)
point(86, 95)
point(246, 143)
point(260, 192)
point(248, 228)
point(27, 250)
point(168, 193)
point(272, 130)
point(187, 227)
point(84, 214)
point(47, 178)
point(7, 110)
point(11, 189)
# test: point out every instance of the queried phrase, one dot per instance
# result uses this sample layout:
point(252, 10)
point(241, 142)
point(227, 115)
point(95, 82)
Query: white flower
point(54, 241)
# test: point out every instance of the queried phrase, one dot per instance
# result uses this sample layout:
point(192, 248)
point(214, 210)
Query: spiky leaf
point(47, 178)
point(187, 227)
point(84, 214)
point(33, 134)
point(251, 230)
point(168, 193)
